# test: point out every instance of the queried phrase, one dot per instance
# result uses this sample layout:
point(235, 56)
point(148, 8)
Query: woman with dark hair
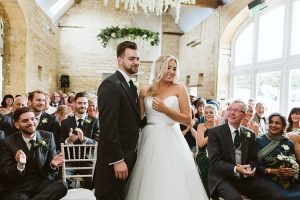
point(293, 120)
point(273, 151)
point(7, 104)
point(293, 129)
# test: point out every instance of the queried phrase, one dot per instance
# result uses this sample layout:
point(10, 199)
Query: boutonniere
point(246, 134)
point(41, 143)
point(87, 121)
point(44, 121)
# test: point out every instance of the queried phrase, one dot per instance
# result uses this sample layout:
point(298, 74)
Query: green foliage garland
point(115, 32)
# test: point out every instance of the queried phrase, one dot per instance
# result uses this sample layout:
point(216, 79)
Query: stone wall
point(30, 49)
point(208, 57)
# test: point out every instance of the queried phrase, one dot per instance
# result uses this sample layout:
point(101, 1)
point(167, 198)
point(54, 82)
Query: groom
point(119, 117)
point(233, 159)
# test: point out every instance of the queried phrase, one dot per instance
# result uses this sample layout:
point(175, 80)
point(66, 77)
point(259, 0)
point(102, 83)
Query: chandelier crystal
point(157, 6)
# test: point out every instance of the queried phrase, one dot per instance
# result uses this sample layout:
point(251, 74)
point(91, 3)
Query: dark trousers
point(251, 187)
point(37, 190)
point(117, 193)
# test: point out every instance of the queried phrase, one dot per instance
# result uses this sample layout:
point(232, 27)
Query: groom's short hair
point(123, 46)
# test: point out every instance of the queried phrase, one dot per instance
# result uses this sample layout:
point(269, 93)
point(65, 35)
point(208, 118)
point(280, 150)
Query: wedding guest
point(48, 108)
point(259, 117)
point(233, 159)
point(276, 173)
point(92, 109)
point(293, 130)
point(62, 113)
point(46, 122)
point(200, 110)
point(28, 162)
point(6, 104)
point(210, 116)
point(55, 98)
point(247, 120)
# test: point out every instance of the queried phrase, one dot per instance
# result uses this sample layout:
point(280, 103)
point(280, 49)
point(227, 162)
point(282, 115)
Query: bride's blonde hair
point(159, 69)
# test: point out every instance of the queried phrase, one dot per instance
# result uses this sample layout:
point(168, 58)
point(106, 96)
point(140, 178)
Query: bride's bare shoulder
point(143, 90)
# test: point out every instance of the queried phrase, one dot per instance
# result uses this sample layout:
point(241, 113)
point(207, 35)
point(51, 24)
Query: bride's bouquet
point(288, 161)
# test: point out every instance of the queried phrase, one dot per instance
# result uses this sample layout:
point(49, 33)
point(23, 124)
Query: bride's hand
point(158, 104)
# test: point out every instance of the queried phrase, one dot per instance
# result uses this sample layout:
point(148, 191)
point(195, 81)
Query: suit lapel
point(22, 145)
point(229, 142)
point(131, 96)
point(244, 143)
point(40, 154)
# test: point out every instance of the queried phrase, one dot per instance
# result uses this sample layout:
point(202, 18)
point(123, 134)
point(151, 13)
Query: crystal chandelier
point(158, 6)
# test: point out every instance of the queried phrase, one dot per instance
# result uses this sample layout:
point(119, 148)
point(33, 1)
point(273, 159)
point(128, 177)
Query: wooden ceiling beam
point(207, 3)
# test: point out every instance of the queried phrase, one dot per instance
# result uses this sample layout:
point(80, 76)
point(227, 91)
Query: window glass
point(270, 36)
point(244, 46)
point(295, 45)
point(294, 89)
point(268, 90)
point(242, 86)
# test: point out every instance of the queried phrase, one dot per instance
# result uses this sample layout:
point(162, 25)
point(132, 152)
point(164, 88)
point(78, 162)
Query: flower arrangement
point(116, 34)
point(44, 121)
point(41, 143)
point(287, 161)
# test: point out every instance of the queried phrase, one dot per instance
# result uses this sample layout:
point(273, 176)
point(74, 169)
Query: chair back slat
point(76, 153)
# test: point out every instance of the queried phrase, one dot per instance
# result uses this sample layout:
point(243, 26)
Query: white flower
point(280, 157)
point(44, 121)
point(285, 147)
point(248, 135)
point(144, 36)
point(43, 142)
point(113, 35)
point(87, 121)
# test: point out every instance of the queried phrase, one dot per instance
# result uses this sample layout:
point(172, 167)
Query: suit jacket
point(222, 154)
point(43, 156)
point(50, 123)
point(5, 124)
point(90, 129)
point(119, 117)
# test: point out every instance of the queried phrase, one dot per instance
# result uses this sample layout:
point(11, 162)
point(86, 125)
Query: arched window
point(266, 57)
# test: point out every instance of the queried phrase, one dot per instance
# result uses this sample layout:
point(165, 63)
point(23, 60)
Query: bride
point(165, 168)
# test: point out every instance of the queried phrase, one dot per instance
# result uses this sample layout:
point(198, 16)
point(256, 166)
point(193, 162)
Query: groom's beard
point(28, 130)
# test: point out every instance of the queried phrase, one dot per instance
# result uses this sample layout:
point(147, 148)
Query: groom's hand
point(245, 170)
point(121, 170)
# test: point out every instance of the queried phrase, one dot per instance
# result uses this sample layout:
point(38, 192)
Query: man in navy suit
point(46, 122)
point(80, 129)
point(28, 162)
point(120, 120)
point(233, 159)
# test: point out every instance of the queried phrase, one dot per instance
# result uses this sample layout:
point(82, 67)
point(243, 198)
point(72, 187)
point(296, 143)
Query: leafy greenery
point(115, 32)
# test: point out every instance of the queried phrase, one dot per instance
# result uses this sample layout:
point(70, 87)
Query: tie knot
point(32, 142)
point(237, 131)
point(80, 120)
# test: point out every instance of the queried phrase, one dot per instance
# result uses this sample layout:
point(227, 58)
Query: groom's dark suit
point(38, 176)
point(119, 118)
point(221, 176)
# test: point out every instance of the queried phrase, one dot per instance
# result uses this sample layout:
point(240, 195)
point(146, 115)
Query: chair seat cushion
point(79, 194)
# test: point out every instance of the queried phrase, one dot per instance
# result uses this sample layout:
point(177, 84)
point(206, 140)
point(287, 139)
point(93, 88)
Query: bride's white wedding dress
point(165, 169)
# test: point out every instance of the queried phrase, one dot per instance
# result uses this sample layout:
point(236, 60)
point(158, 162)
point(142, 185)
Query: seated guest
point(6, 104)
point(233, 159)
point(5, 124)
point(277, 174)
point(92, 106)
point(62, 113)
point(80, 129)
point(49, 109)
point(259, 117)
point(46, 122)
point(28, 162)
point(293, 130)
point(200, 110)
point(210, 116)
point(20, 102)
point(247, 120)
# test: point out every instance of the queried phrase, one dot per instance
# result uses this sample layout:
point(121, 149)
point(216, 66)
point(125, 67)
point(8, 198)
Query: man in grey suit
point(119, 116)
point(28, 162)
point(233, 159)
